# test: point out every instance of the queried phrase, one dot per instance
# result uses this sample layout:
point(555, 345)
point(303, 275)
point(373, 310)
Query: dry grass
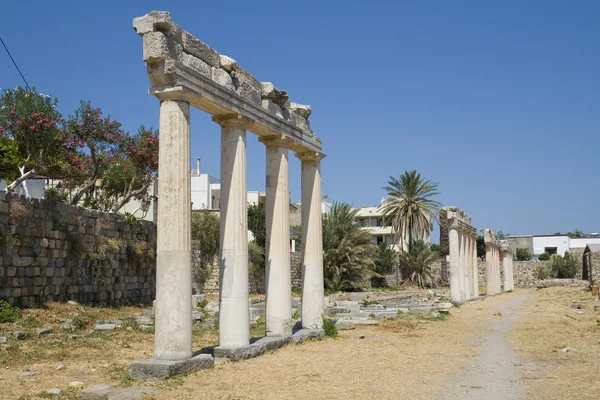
point(549, 324)
point(18, 210)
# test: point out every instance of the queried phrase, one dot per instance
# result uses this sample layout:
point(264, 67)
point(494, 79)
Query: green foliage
point(8, 313)
point(410, 208)
point(348, 253)
point(500, 235)
point(336, 283)
point(416, 261)
point(329, 327)
point(296, 234)
point(256, 259)
point(206, 229)
point(544, 257)
point(82, 320)
point(386, 259)
point(54, 195)
point(257, 222)
point(134, 224)
point(435, 247)
point(202, 304)
point(542, 273)
point(120, 373)
point(523, 255)
point(564, 267)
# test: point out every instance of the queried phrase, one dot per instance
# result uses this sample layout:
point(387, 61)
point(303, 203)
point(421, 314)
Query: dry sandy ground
point(504, 347)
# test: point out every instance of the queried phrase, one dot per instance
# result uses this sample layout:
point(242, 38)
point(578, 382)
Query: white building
point(551, 244)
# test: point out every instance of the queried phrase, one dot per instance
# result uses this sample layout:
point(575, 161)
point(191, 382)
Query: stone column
point(454, 245)
point(497, 270)
point(475, 259)
point(313, 306)
point(466, 266)
point(490, 274)
point(234, 327)
point(173, 306)
point(278, 277)
point(507, 266)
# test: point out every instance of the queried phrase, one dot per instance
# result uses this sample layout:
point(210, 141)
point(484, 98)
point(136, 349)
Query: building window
point(389, 240)
point(379, 239)
point(550, 250)
point(374, 222)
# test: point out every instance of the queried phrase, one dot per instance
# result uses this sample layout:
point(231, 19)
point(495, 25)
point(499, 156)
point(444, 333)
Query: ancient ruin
point(492, 258)
point(186, 72)
point(507, 265)
point(462, 245)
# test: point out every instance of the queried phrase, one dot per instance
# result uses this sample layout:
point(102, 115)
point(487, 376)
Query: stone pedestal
point(234, 328)
point(313, 306)
point(278, 286)
point(173, 324)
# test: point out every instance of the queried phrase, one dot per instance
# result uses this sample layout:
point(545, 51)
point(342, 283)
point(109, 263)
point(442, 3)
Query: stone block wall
point(256, 283)
point(52, 251)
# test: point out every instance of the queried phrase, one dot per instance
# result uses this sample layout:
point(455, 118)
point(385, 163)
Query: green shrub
point(542, 273)
point(523, 255)
point(8, 313)
point(329, 327)
point(564, 267)
point(544, 257)
point(54, 195)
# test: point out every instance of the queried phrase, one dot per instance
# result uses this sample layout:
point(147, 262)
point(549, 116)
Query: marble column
point(490, 273)
point(466, 266)
point(234, 328)
point(497, 270)
point(313, 305)
point(475, 259)
point(278, 277)
point(454, 245)
point(173, 306)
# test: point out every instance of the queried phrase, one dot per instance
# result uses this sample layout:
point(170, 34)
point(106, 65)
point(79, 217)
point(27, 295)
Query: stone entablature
point(217, 84)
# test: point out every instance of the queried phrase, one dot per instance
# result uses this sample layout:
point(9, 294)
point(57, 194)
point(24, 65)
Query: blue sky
point(497, 101)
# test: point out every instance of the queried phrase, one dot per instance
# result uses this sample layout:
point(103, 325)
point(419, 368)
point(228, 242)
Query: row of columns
point(173, 307)
point(463, 264)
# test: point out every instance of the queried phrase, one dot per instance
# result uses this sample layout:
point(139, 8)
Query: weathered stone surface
point(154, 369)
point(44, 332)
point(375, 307)
point(239, 353)
point(3, 339)
point(227, 63)
point(157, 21)
point(305, 334)
point(268, 90)
point(197, 315)
point(242, 76)
point(158, 48)
point(345, 325)
point(105, 327)
point(248, 92)
point(331, 311)
point(223, 78)
point(143, 320)
point(27, 373)
point(303, 124)
point(282, 99)
point(19, 335)
point(54, 391)
point(353, 306)
point(272, 342)
point(272, 108)
point(146, 328)
point(76, 383)
point(201, 50)
point(197, 65)
point(365, 322)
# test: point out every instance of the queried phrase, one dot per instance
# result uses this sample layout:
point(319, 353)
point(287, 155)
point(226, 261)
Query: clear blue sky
point(497, 101)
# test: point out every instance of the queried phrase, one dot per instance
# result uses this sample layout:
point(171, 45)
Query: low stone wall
point(256, 283)
point(51, 251)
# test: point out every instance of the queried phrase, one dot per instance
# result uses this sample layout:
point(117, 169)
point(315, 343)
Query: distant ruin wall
point(52, 251)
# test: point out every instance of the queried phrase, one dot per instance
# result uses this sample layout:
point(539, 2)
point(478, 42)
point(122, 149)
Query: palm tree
point(348, 253)
point(409, 208)
point(416, 262)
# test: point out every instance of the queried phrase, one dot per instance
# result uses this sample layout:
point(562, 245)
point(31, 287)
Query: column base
point(154, 369)
point(304, 334)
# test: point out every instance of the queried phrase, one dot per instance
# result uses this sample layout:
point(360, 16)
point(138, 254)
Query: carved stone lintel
point(231, 119)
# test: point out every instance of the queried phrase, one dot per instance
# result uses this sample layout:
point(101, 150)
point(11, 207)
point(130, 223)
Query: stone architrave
point(313, 304)
point(278, 278)
point(492, 262)
point(507, 265)
point(234, 328)
point(460, 233)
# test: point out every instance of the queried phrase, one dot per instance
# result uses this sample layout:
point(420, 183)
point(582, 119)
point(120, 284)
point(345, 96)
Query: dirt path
point(496, 372)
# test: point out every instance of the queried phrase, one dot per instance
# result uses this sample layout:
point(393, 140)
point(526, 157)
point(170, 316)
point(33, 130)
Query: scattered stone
point(161, 369)
point(345, 325)
point(60, 367)
point(27, 373)
point(365, 322)
point(19, 335)
point(105, 327)
point(68, 327)
point(212, 306)
point(304, 334)
point(361, 337)
point(197, 298)
point(444, 306)
point(577, 305)
point(44, 332)
point(227, 63)
point(141, 320)
point(55, 391)
point(76, 384)
point(579, 312)
point(567, 349)
point(3, 339)
point(146, 328)
point(353, 306)
point(375, 307)
point(73, 303)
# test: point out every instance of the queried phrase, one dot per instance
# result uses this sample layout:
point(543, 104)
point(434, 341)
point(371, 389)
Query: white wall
point(541, 242)
point(580, 243)
point(36, 187)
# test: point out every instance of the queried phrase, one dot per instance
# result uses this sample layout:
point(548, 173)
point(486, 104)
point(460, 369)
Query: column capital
point(276, 141)
point(309, 155)
point(178, 93)
point(232, 119)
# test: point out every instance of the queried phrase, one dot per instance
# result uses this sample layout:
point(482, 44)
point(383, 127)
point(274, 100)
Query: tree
point(435, 247)
point(500, 235)
point(564, 267)
point(257, 221)
point(523, 255)
point(480, 247)
point(348, 252)
point(416, 263)
point(410, 208)
point(385, 263)
point(544, 257)
point(206, 229)
point(31, 122)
